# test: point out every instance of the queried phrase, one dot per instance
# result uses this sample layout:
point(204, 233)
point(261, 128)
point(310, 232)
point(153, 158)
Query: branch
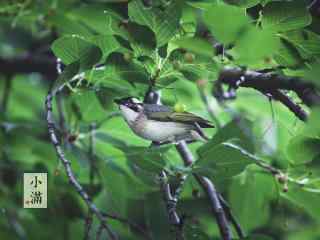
point(314, 7)
point(210, 190)
point(231, 217)
point(88, 219)
point(88, 224)
point(171, 204)
point(171, 201)
point(208, 186)
point(137, 227)
point(293, 107)
point(62, 125)
point(29, 63)
point(270, 83)
point(67, 165)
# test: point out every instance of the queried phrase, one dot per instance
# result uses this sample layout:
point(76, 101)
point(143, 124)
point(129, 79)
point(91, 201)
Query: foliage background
point(170, 43)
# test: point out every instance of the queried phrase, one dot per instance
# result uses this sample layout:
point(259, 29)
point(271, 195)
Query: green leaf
point(92, 16)
point(306, 42)
point(312, 74)
point(75, 48)
point(233, 130)
point(141, 38)
point(287, 54)
point(250, 195)
point(119, 73)
point(286, 16)
point(306, 200)
point(151, 160)
point(164, 23)
point(107, 44)
point(235, 21)
point(223, 161)
point(312, 129)
point(196, 45)
point(89, 106)
point(167, 76)
point(248, 46)
point(68, 73)
point(67, 26)
point(303, 149)
point(156, 217)
point(243, 3)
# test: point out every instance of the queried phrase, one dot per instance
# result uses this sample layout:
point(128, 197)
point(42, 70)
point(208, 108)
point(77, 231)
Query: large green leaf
point(75, 48)
point(306, 42)
point(303, 149)
point(248, 47)
point(306, 200)
point(151, 160)
point(164, 23)
point(235, 22)
point(224, 160)
point(107, 44)
point(141, 38)
point(287, 54)
point(286, 16)
point(196, 45)
point(65, 25)
point(313, 72)
point(233, 130)
point(250, 195)
point(156, 216)
point(89, 106)
point(94, 16)
point(119, 72)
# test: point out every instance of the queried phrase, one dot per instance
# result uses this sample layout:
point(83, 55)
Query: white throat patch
point(129, 115)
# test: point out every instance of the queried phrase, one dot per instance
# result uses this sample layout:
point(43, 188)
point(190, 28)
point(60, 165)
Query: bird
point(160, 123)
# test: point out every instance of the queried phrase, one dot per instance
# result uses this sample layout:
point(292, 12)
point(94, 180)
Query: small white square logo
point(35, 190)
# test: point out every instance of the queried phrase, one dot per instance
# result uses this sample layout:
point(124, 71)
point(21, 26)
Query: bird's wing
point(183, 117)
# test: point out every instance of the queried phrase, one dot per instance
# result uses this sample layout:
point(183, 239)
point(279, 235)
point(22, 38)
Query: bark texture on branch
point(268, 83)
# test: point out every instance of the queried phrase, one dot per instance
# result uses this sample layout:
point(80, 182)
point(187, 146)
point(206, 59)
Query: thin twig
point(99, 232)
point(134, 226)
point(231, 217)
point(292, 106)
point(88, 219)
point(92, 159)
point(171, 204)
point(67, 165)
point(210, 190)
point(314, 6)
point(88, 225)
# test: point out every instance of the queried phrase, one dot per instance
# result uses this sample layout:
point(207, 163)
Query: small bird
point(161, 124)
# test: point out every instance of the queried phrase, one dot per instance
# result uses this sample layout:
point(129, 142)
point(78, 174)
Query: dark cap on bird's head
point(130, 102)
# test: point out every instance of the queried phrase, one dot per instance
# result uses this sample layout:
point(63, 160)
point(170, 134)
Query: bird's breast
point(159, 131)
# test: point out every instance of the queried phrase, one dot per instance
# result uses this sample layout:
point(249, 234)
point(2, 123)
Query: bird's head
point(130, 102)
